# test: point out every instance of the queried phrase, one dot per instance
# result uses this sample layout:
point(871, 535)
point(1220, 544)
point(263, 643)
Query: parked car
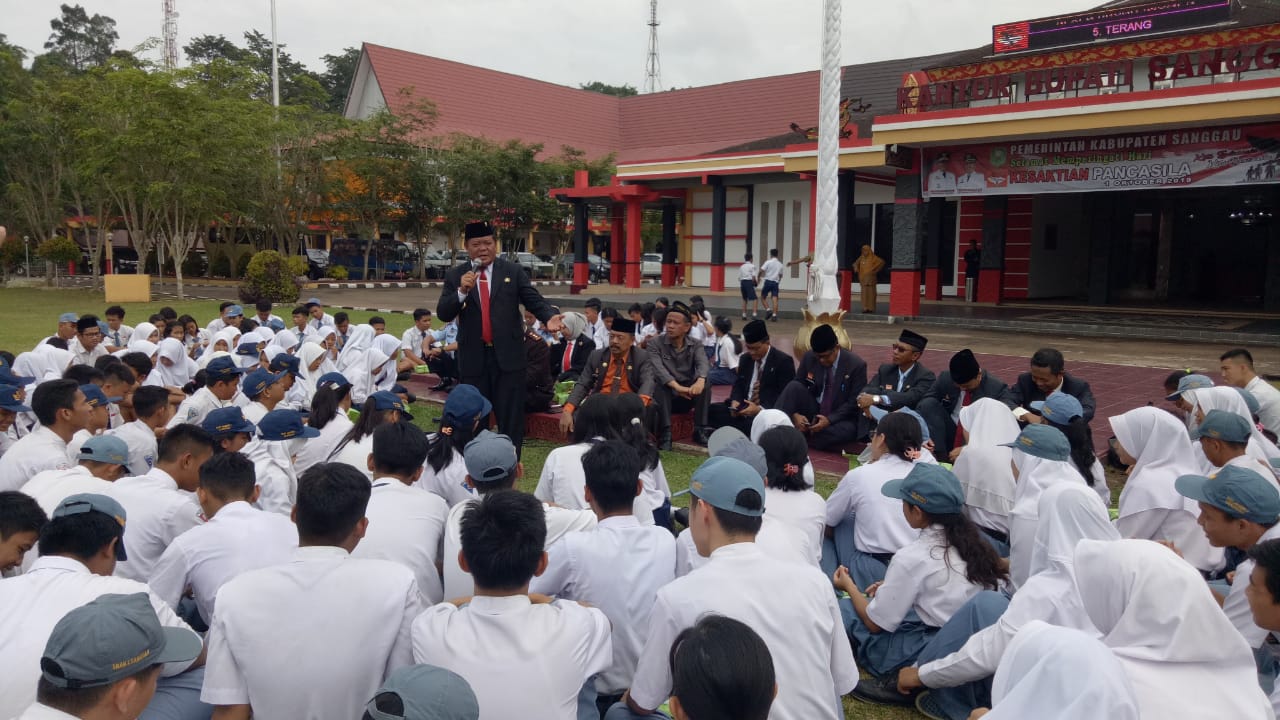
point(599, 267)
point(651, 265)
point(124, 260)
point(535, 266)
point(317, 263)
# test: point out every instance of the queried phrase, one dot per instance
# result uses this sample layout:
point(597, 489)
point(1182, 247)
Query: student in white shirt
point(99, 418)
point(62, 411)
point(160, 502)
point(445, 472)
point(747, 276)
point(927, 581)
point(281, 436)
point(627, 423)
point(21, 518)
point(329, 414)
point(985, 467)
point(866, 526)
point(519, 653)
point(1263, 594)
point(811, 654)
point(595, 324)
point(79, 547)
point(152, 409)
point(771, 271)
point(1041, 459)
point(724, 357)
point(721, 668)
point(1064, 412)
point(355, 447)
point(86, 347)
point(787, 497)
point(118, 334)
point(618, 567)
point(406, 525)
point(1237, 369)
point(411, 341)
point(222, 384)
point(264, 315)
point(230, 431)
point(314, 637)
point(316, 316)
point(264, 391)
point(236, 537)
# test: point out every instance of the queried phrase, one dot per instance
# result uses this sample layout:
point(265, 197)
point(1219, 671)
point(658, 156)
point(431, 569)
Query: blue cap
point(68, 317)
point(8, 378)
point(95, 397)
point(718, 481)
point(11, 398)
point(1059, 408)
point(276, 324)
point(105, 449)
point(313, 301)
point(427, 692)
point(235, 311)
point(227, 421)
point(384, 400)
point(880, 413)
point(464, 407)
point(930, 487)
point(88, 502)
point(257, 381)
point(104, 327)
point(223, 368)
point(284, 425)
point(1190, 382)
point(1236, 491)
point(248, 349)
point(1042, 441)
point(333, 381)
point(286, 363)
point(1250, 401)
point(1225, 426)
point(489, 457)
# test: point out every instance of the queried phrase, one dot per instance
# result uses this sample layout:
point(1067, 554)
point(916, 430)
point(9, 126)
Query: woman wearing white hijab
point(1069, 513)
point(362, 377)
point(173, 367)
point(389, 345)
point(225, 340)
point(144, 331)
point(285, 340)
point(310, 359)
point(1228, 399)
point(1179, 651)
point(1056, 673)
point(352, 355)
point(1042, 458)
point(984, 466)
point(327, 338)
point(1156, 447)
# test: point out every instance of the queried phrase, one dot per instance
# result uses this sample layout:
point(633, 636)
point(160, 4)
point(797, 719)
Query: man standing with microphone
point(485, 296)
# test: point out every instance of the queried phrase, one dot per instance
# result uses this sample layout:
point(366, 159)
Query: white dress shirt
point(51, 487)
point(313, 638)
point(1236, 605)
point(925, 578)
point(772, 269)
point(118, 338)
point(255, 411)
point(521, 659)
point(600, 333)
point(33, 453)
point(80, 356)
point(44, 712)
point(776, 539)
point(158, 513)
point(804, 510)
point(277, 479)
point(450, 483)
point(237, 539)
point(747, 271)
point(811, 655)
point(1268, 398)
point(317, 449)
point(411, 340)
point(356, 454)
point(458, 583)
point(618, 567)
point(143, 447)
point(564, 483)
point(406, 526)
point(202, 402)
point(881, 527)
point(32, 603)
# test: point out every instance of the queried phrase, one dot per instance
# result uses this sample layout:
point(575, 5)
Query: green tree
point(35, 142)
point(339, 71)
point(298, 85)
point(81, 41)
point(204, 49)
point(606, 89)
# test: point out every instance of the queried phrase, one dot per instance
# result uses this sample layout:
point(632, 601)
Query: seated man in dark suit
point(822, 400)
point(763, 371)
point(904, 381)
point(957, 387)
point(1048, 375)
point(619, 368)
point(680, 370)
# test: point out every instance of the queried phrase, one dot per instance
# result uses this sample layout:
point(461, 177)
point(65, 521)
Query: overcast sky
point(571, 41)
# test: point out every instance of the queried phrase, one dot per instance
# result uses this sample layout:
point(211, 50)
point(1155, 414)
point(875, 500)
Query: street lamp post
point(26, 243)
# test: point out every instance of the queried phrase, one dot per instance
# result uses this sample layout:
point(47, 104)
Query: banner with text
point(1165, 159)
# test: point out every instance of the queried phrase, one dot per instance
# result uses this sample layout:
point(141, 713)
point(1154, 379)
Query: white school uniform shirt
point(143, 447)
point(237, 539)
point(118, 338)
point(313, 638)
point(564, 483)
point(202, 402)
point(51, 487)
point(1268, 398)
point(314, 324)
point(600, 333)
point(44, 712)
point(881, 527)
point(270, 317)
point(80, 356)
point(803, 510)
point(1236, 605)
point(356, 454)
point(277, 479)
point(406, 526)
point(77, 441)
point(776, 539)
point(811, 654)
point(158, 513)
point(772, 269)
point(317, 449)
point(255, 411)
point(747, 271)
point(725, 356)
point(521, 659)
point(458, 583)
point(450, 483)
point(31, 604)
point(618, 567)
point(412, 339)
point(923, 578)
point(37, 451)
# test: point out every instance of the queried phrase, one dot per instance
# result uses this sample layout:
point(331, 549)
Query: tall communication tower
point(170, 35)
point(652, 68)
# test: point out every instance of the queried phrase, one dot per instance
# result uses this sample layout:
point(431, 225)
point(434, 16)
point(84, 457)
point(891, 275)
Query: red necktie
point(568, 356)
point(486, 327)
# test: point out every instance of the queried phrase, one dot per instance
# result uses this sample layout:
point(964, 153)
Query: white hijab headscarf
point(1228, 399)
point(146, 347)
point(388, 345)
point(1179, 651)
point(228, 335)
point(331, 355)
point(306, 380)
point(181, 368)
point(285, 340)
point(983, 468)
point(362, 378)
point(143, 332)
point(51, 362)
point(358, 343)
point(576, 324)
point(1159, 444)
point(1035, 475)
point(1057, 673)
point(208, 357)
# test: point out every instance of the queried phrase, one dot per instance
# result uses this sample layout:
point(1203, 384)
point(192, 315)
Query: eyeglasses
point(902, 348)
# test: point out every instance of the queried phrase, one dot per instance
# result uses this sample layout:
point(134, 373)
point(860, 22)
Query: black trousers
point(445, 367)
point(796, 399)
point(942, 429)
point(720, 416)
point(505, 391)
point(668, 402)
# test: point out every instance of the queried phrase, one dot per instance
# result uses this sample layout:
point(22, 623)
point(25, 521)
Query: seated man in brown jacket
point(619, 368)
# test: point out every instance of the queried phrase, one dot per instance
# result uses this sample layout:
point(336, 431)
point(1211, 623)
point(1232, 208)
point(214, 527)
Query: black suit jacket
point(779, 369)
point(639, 375)
point(917, 385)
point(851, 377)
point(510, 289)
point(582, 348)
point(947, 392)
point(1025, 392)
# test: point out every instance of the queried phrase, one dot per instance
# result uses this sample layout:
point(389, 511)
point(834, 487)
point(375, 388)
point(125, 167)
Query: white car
point(651, 265)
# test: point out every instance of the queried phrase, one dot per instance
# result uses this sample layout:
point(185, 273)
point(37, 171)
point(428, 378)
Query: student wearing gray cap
point(812, 657)
point(104, 658)
point(79, 548)
point(1223, 439)
point(423, 692)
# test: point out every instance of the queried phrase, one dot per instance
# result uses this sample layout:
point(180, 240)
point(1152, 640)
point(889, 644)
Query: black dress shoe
point(665, 442)
point(681, 516)
point(882, 691)
point(700, 436)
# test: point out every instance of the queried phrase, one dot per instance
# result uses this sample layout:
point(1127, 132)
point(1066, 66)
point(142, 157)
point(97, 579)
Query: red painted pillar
point(904, 293)
point(615, 247)
point(634, 244)
point(845, 279)
point(71, 267)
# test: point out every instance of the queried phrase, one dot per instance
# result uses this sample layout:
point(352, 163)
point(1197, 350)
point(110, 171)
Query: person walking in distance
point(485, 296)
